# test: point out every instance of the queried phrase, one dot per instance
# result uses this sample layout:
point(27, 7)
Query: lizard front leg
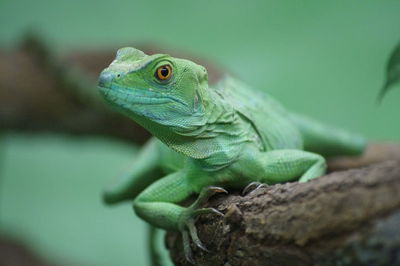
point(157, 205)
point(145, 171)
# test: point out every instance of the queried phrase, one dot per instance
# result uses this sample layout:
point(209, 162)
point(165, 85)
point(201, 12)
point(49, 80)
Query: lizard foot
point(188, 218)
point(253, 186)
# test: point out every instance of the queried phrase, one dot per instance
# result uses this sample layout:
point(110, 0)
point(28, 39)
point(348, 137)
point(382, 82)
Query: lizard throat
point(214, 138)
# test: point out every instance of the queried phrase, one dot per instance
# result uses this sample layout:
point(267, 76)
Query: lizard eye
point(163, 73)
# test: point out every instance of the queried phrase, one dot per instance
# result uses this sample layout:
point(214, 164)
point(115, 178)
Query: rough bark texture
point(347, 217)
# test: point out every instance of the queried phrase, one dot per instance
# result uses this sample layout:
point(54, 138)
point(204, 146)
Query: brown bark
point(347, 217)
point(16, 253)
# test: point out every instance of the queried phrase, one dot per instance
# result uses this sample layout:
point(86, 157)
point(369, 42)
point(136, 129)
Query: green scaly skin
point(206, 138)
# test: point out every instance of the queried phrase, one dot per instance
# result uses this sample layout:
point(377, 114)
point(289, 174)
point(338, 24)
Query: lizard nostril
point(105, 79)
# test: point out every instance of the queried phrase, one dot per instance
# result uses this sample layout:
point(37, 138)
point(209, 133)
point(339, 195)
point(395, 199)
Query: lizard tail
point(326, 140)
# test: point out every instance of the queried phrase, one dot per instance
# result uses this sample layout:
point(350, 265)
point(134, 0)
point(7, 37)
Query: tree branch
point(344, 218)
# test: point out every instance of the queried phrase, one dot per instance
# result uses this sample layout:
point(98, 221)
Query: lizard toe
point(253, 186)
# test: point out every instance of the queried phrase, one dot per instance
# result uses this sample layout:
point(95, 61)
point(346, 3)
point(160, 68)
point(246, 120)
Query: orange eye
point(163, 73)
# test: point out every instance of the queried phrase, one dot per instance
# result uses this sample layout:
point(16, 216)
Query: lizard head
point(153, 88)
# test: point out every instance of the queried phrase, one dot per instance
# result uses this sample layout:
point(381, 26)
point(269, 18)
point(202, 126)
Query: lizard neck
point(213, 134)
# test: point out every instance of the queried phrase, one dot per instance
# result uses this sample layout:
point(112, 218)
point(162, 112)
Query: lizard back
point(268, 117)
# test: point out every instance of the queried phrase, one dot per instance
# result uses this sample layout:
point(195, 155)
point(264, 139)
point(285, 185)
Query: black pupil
point(164, 72)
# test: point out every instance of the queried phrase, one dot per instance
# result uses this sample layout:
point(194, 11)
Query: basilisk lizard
point(206, 138)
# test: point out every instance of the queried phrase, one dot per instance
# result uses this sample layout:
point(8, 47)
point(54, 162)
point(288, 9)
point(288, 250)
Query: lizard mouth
point(125, 97)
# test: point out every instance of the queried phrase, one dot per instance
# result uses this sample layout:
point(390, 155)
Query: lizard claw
point(195, 237)
point(186, 248)
point(188, 218)
point(252, 187)
point(205, 194)
point(207, 210)
point(190, 229)
point(217, 190)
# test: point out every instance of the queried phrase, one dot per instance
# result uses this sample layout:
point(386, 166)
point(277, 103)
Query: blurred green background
point(325, 59)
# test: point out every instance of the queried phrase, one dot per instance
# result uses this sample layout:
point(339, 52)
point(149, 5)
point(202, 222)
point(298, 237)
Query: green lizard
point(228, 135)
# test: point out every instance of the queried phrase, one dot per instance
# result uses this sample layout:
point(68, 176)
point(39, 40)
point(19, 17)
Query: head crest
point(130, 53)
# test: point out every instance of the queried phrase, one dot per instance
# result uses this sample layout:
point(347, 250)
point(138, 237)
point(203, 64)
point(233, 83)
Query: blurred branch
point(42, 92)
point(14, 253)
point(37, 93)
point(344, 218)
